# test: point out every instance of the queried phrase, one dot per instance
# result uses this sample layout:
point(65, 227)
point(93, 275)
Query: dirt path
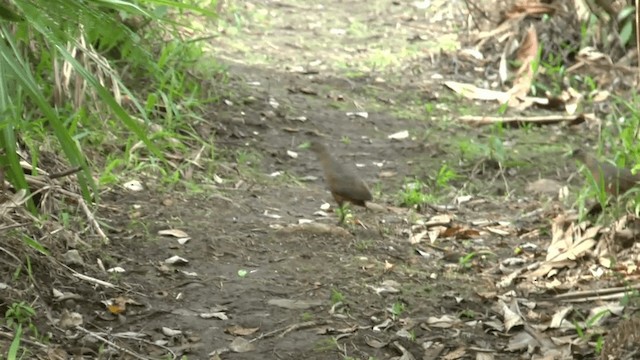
point(275, 293)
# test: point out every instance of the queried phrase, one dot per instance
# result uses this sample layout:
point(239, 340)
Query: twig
point(23, 340)
point(287, 329)
point(543, 119)
point(93, 280)
point(13, 226)
point(147, 342)
point(127, 351)
point(65, 173)
point(577, 295)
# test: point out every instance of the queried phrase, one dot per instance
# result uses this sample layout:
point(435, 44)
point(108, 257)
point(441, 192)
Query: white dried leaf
point(133, 185)
point(173, 232)
point(270, 215)
point(70, 320)
point(463, 199)
point(292, 154)
point(401, 135)
point(176, 260)
point(497, 231)
point(217, 179)
point(215, 315)
point(417, 238)
point(241, 345)
point(385, 324)
point(442, 219)
point(275, 174)
point(57, 294)
point(325, 206)
point(509, 317)
point(474, 53)
point(170, 332)
point(362, 114)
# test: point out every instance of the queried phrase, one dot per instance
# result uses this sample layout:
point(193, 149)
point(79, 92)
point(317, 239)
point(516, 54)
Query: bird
point(615, 180)
point(342, 181)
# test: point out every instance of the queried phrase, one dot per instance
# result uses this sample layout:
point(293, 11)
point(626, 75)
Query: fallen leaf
point(240, 331)
point(173, 232)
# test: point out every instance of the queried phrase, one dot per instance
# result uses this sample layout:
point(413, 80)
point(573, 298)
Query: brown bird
point(615, 180)
point(343, 182)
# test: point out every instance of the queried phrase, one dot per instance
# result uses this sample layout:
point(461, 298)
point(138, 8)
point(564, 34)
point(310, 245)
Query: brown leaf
point(526, 54)
point(240, 331)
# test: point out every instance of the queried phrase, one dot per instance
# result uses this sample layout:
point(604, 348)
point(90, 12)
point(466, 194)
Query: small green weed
point(465, 262)
point(444, 176)
point(336, 296)
point(397, 309)
point(413, 193)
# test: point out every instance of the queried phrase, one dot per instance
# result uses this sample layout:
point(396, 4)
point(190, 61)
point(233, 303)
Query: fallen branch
point(110, 343)
point(520, 120)
point(588, 295)
point(287, 329)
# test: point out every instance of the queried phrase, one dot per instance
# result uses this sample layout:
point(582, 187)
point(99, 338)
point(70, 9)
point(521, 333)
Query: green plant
point(429, 108)
point(397, 309)
point(582, 330)
point(599, 344)
point(336, 296)
point(445, 174)
point(496, 146)
point(412, 335)
point(465, 261)
point(343, 212)
point(413, 193)
point(626, 17)
point(19, 314)
point(14, 348)
point(363, 245)
point(468, 313)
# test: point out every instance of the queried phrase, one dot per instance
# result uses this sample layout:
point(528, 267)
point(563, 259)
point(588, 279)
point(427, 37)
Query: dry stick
point(578, 294)
point(23, 340)
point(65, 173)
point(7, 227)
point(543, 119)
point(127, 351)
point(148, 343)
point(289, 328)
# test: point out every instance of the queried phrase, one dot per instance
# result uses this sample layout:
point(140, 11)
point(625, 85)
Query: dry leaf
point(240, 331)
point(526, 55)
point(173, 232)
